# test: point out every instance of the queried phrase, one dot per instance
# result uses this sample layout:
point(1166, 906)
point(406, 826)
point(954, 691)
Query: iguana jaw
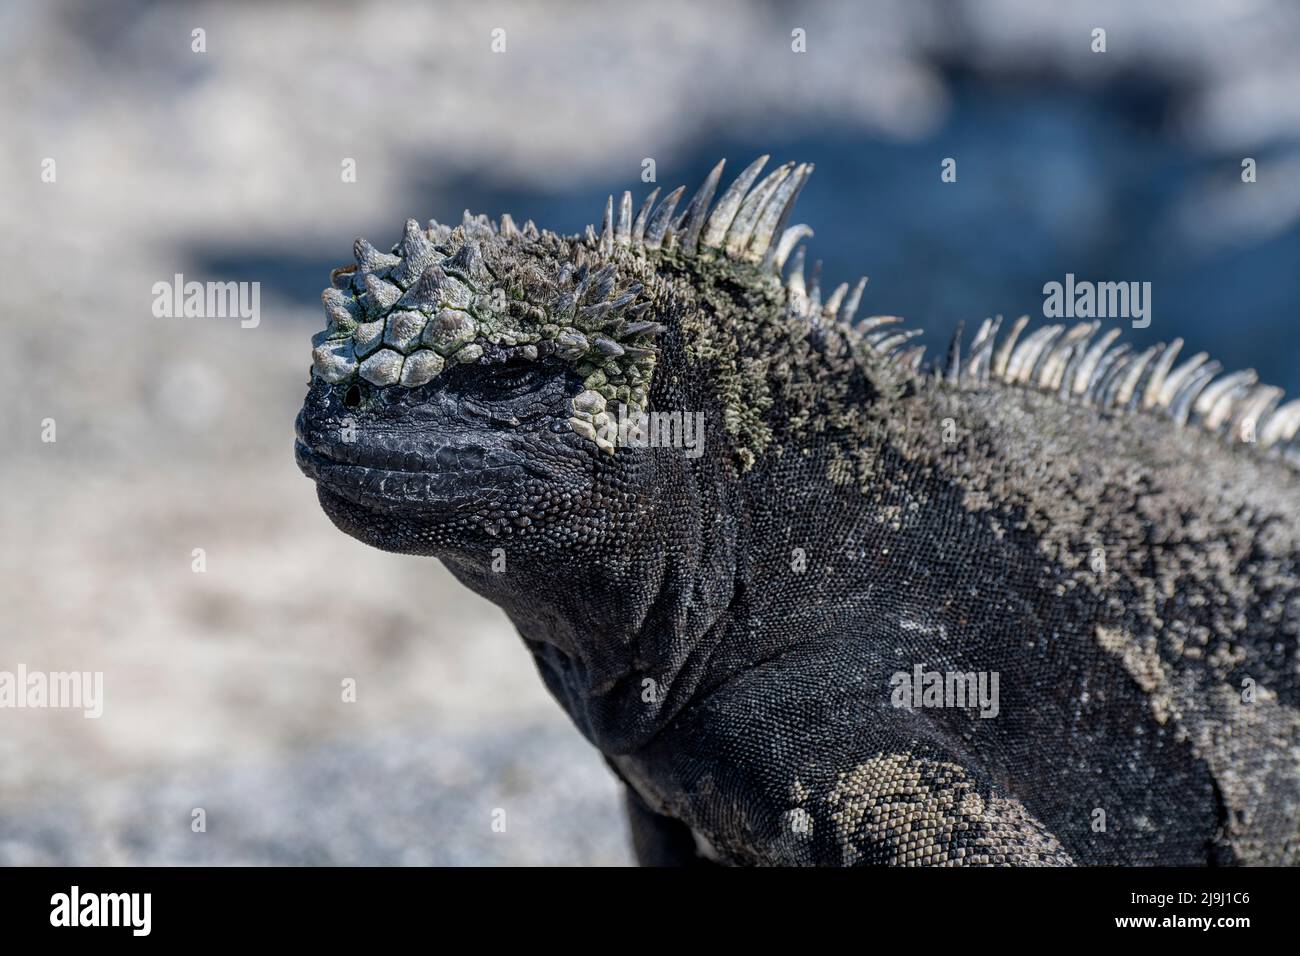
point(455, 467)
point(454, 478)
point(460, 501)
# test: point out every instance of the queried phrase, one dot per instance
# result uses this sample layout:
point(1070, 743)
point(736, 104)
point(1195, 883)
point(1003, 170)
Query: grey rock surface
point(527, 796)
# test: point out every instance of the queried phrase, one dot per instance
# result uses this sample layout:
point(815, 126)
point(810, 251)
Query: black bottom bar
point(337, 905)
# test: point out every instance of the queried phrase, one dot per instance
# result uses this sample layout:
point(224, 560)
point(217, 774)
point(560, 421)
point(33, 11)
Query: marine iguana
point(736, 630)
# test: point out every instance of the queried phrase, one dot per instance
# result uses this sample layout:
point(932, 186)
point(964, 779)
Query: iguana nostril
point(352, 397)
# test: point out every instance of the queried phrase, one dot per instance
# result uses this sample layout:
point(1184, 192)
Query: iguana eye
point(511, 376)
point(507, 379)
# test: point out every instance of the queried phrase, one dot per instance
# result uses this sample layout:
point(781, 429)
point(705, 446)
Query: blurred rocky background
point(222, 688)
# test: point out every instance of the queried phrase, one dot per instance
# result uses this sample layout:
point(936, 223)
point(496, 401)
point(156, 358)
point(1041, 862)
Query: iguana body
point(729, 627)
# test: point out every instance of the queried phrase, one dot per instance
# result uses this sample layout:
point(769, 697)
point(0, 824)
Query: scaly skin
point(724, 627)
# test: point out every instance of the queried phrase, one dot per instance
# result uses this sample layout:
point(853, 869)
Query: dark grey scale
point(875, 338)
point(623, 229)
point(564, 304)
point(1093, 357)
point(719, 220)
point(1180, 407)
point(608, 278)
point(416, 252)
point(1280, 425)
point(594, 314)
point(952, 366)
point(742, 226)
point(850, 307)
point(467, 261)
point(890, 341)
point(1114, 399)
point(626, 298)
point(871, 323)
point(910, 359)
point(1081, 348)
point(772, 226)
point(970, 368)
point(1180, 376)
point(1105, 395)
point(643, 328)
point(1036, 372)
point(493, 354)
point(1029, 351)
point(1154, 372)
point(1060, 354)
point(1002, 354)
point(985, 353)
point(370, 260)
point(424, 294)
point(1015, 357)
point(1291, 452)
point(1111, 364)
point(606, 241)
point(815, 285)
point(581, 278)
point(787, 243)
point(1254, 408)
point(794, 281)
point(1231, 389)
point(661, 220)
point(381, 294)
point(697, 210)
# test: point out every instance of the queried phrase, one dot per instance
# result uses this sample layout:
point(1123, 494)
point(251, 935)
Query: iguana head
point(477, 384)
point(460, 392)
point(471, 399)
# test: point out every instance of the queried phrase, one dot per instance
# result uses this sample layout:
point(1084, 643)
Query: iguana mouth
point(452, 477)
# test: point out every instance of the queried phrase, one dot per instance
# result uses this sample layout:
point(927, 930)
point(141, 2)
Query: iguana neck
point(626, 638)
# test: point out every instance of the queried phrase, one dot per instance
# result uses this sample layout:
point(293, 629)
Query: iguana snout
point(484, 451)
